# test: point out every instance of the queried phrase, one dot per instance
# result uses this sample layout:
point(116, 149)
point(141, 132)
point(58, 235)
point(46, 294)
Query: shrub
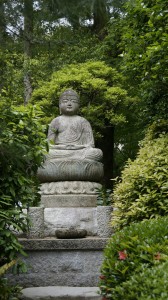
point(148, 284)
point(103, 196)
point(8, 291)
point(142, 194)
point(21, 153)
point(142, 244)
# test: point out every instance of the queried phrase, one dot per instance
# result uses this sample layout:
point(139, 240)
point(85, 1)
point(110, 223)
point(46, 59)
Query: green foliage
point(21, 153)
point(22, 147)
point(142, 194)
point(5, 267)
point(130, 252)
point(104, 196)
point(157, 128)
point(145, 62)
point(102, 97)
point(11, 75)
point(7, 291)
point(149, 284)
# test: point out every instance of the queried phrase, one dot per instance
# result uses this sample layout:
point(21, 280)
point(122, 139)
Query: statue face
point(69, 105)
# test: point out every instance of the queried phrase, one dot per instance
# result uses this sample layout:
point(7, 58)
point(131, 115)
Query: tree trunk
point(107, 146)
point(3, 33)
point(28, 34)
point(3, 36)
point(100, 15)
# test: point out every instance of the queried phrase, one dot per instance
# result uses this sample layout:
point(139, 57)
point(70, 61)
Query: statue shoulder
point(55, 121)
point(85, 122)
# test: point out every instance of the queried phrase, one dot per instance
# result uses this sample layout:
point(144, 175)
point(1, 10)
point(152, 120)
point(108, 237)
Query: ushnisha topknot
point(69, 92)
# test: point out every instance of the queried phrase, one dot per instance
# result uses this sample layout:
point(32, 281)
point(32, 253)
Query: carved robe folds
point(72, 170)
point(73, 156)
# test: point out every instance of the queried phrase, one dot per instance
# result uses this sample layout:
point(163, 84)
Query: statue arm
point(52, 131)
point(88, 139)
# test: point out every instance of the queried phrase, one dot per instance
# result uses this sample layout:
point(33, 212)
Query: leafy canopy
point(145, 60)
point(103, 98)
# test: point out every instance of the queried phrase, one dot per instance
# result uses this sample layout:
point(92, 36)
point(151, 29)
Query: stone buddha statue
point(72, 153)
point(71, 135)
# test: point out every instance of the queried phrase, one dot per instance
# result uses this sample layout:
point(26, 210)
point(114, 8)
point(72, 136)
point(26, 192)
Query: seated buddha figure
point(71, 143)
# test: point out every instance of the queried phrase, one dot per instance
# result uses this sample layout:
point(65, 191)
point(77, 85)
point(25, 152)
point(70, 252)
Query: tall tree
point(2, 23)
point(93, 14)
point(145, 62)
point(2, 42)
point(100, 14)
point(28, 40)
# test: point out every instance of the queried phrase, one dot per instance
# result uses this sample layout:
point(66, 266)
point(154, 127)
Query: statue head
point(69, 103)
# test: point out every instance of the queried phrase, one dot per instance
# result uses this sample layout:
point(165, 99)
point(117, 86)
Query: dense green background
point(114, 53)
point(129, 36)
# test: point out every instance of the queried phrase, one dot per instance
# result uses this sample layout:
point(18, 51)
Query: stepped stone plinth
point(61, 262)
point(72, 171)
point(70, 177)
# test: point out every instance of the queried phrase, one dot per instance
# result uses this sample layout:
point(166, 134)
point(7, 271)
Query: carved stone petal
point(71, 170)
point(69, 187)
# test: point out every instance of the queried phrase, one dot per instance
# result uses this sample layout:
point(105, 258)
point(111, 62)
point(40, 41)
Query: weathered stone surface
point(69, 187)
point(66, 217)
point(80, 200)
point(70, 170)
point(61, 293)
point(70, 267)
point(95, 220)
point(72, 155)
point(36, 215)
point(104, 215)
point(70, 233)
point(89, 243)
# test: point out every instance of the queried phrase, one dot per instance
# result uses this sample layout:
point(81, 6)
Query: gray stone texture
point(80, 200)
point(36, 215)
point(69, 267)
point(72, 155)
point(71, 170)
point(61, 293)
point(104, 227)
point(89, 243)
point(66, 217)
point(95, 220)
point(69, 187)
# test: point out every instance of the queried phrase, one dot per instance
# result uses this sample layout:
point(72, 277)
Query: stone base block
point(95, 220)
point(53, 262)
point(69, 200)
point(61, 293)
point(67, 217)
point(36, 215)
point(104, 216)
